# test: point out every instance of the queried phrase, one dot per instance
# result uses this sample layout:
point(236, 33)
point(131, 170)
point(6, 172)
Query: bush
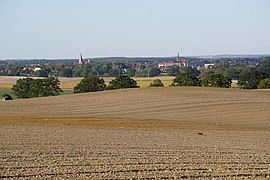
point(122, 82)
point(186, 79)
point(264, 84)
point(216, 80)
point(156, 83)
point(90, 84)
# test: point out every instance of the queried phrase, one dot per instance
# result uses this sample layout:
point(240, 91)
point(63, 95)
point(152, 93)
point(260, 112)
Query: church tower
point(81, 59)
point(178, 58)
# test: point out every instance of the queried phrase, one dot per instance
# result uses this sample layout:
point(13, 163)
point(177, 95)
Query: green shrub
point(156, 83)
point(186, 79)
point(264, 84)
point(90, 84)
point(216, 80)
point(29, 87)
point(122, 82)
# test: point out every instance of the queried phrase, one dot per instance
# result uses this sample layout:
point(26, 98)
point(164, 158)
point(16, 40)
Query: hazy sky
point(98, 28)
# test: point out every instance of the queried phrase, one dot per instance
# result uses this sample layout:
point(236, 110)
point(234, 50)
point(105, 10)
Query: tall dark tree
point(186, 79)
point(122, 82)
point(90, 84)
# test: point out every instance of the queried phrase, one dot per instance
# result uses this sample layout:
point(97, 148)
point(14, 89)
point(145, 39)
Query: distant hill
point(231, 56)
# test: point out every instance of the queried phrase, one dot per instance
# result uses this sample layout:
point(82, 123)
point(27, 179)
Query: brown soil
point(162, 133)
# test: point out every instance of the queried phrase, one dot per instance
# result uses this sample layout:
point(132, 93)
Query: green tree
point(216, 80)
point(131, 72)
point(250, 80)
point(114, 72)
point(29, 87)
point(49, 87)
point(264, 67)
point(232, 72)
point(77, 72)
point(22, 88)
point(42, 73)
point(190, 70)
point(156, 83)
point(90, 84)
point(186, 79)
point(122, 82)
point(142, 73)
point(154, 72)
point(67, 72)
point(173, 71)
point(264, 84)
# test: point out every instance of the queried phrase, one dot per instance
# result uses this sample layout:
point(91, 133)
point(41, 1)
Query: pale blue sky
point(97, 28)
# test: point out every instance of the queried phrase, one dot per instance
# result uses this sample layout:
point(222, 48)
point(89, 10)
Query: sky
point(55, 29)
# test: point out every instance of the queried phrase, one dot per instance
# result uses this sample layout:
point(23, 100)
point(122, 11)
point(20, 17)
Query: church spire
point(178, 57)
point(81, 59)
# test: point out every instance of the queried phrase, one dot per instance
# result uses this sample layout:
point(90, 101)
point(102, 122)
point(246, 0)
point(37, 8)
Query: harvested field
point(173, 132)
point(6, 82)
point(184, 104)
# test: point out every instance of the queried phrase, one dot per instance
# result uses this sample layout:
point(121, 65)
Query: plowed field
point(174, 132)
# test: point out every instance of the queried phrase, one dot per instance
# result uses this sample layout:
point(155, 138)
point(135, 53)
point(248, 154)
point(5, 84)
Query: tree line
point(248, 76)
point(137, 67)
point(29, 87)
point(50, 86)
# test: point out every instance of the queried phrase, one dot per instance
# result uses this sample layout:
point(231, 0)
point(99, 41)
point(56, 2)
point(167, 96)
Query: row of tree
point(230, 67)
point(29, 87)
point(103, 69)
point(249, 80)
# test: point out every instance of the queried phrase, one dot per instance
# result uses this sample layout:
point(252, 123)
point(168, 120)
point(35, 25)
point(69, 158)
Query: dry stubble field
point(6, 82)
point(138, 133)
